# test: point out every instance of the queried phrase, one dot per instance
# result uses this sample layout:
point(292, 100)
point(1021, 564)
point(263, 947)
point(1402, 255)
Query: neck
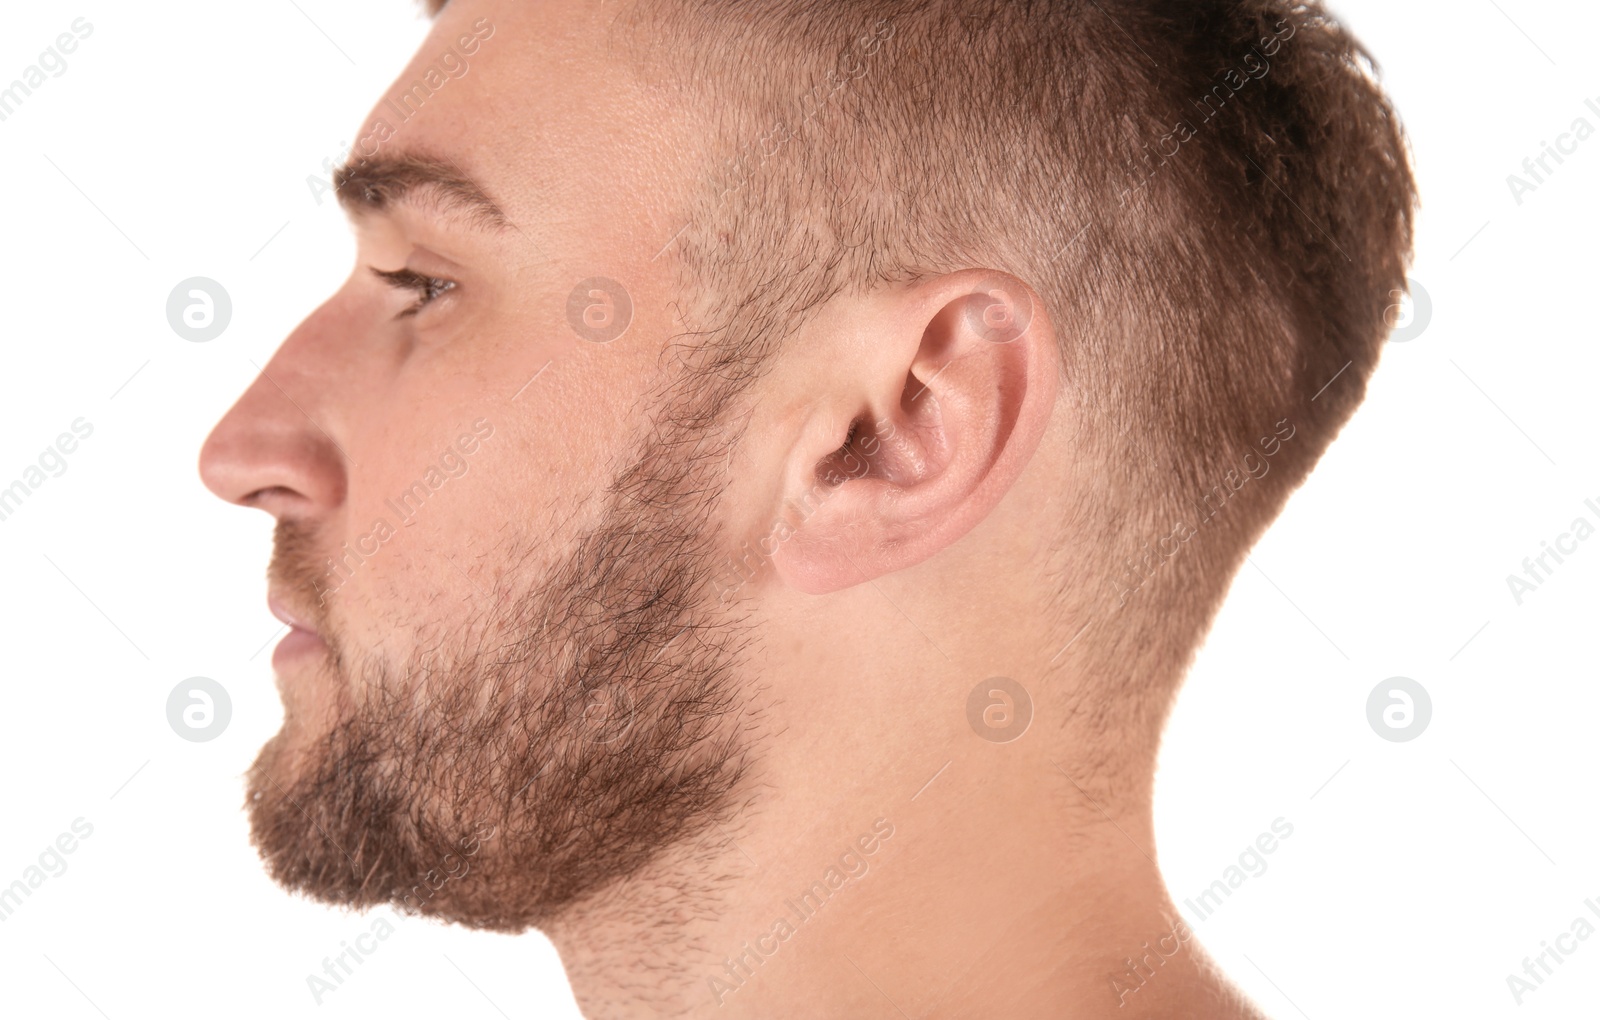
point(985, 880)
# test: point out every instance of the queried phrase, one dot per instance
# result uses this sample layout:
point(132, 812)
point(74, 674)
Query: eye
point(426, 288)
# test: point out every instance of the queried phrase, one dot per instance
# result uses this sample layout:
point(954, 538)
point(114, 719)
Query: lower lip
point(297, 644)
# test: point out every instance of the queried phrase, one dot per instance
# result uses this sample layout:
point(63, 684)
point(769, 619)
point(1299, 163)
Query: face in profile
point(737, 415)
point(496, 522)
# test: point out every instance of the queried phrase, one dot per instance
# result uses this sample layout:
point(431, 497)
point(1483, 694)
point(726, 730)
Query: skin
point(1019, 876)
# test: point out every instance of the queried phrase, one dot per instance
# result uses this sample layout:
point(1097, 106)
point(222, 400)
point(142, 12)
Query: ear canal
point(846, 462)
point(882, 449)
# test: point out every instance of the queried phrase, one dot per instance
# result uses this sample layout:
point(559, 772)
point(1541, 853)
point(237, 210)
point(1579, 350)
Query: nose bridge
point(278, 445)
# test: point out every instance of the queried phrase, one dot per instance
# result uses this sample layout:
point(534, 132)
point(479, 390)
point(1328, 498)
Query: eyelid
point(421, 284)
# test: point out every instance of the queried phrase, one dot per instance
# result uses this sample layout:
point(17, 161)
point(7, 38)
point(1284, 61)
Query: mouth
point(302, 639)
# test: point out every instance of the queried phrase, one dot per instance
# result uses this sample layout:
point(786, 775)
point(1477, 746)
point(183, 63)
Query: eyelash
point(427, 288)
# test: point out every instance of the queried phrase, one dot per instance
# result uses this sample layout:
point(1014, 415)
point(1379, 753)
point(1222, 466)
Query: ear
point(938, 395)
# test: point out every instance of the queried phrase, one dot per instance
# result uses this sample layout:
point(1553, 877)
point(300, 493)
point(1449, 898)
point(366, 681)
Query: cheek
point(433, 531)
point(429, 533)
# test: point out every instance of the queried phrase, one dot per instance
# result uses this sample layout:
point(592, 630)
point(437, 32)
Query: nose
point(276, 448)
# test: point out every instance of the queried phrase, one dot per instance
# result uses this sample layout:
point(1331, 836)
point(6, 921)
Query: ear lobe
point(946, 391)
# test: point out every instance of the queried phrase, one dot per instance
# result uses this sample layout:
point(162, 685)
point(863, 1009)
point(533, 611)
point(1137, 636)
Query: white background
point(1419, 874)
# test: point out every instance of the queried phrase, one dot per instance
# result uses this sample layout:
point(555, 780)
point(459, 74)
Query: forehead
point(548, 106)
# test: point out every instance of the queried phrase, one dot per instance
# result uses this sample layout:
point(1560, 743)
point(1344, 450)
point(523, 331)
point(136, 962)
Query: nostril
point(269, 492)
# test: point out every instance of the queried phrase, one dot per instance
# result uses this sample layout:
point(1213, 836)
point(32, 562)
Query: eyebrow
point(374, 185)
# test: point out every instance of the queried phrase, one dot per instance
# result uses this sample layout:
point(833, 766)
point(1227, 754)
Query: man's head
point(771, 374)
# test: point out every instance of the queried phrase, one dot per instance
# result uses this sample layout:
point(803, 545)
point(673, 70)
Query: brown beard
point(555, 744)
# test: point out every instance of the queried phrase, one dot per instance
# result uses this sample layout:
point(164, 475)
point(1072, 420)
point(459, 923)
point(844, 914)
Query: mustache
point(293, 570)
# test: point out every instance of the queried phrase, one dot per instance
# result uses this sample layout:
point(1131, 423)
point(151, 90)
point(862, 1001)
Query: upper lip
point(300, 621)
